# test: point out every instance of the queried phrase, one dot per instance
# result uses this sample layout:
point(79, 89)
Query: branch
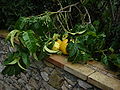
point(69, 6)
point(88, 15)
point(112, 12)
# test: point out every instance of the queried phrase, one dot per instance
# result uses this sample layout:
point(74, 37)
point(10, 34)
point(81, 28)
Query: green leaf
point(9, 70)
point(29, 41)
point(9, 59)
point(22, 67)
point(11, 36)
point(72, 48)
point(25, 59)
point(80, 28)
point(35, 56)
point(20, 24)
point(115, 59)
point(12, 70)
point(77, 57)
point(76, 54)
point(105, 59)
point(117, 62)
point(15, 61)
point(86, 57)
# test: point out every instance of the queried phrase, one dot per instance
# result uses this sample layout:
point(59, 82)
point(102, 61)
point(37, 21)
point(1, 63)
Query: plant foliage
point(87, 37)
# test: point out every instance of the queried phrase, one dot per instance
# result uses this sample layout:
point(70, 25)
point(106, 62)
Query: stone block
point(103, 81)
point(84, 84)
point(48, 64)
point(96, 64)
point(57, 60)
point(55, 80)
point(47, 86)
point(81, 71)
point(45, 76)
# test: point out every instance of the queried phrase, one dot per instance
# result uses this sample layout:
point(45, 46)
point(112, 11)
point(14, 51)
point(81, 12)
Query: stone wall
point(40, 75)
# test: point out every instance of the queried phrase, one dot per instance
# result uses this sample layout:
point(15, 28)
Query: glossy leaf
point(14, 61)
point(9, 59)
point(25, 58)
point(11, 36)
point(105, 60)
point(29, 41)
point(12, 70)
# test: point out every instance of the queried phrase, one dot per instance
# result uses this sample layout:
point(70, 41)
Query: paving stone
point(70, 82)
point(1, 67)
point(1, 76)
point(33, 83)
point(23, 88)
point(42, 89)
point(77, 87)
point(36, 75)
point(83, 84)
point(55, 80)
point(78, 70)
point(8, 80)
point(67, 85)
point(64, 87)
point(47, 86)
point(28, 87)
point(1, 85)
point(48, 70)
point(21, 81)
point(70, 76)
point(45, 76)
point(48, 64)
point(104, 82)
point(38, 65)
point(7, 87)
point(16, 86)
point(23, 76)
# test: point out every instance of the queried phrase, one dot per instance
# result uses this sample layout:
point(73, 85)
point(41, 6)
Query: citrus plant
point(52, 33)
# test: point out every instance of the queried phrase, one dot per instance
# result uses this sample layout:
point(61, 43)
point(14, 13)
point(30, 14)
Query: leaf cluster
point(87, 40)
point(83, 46)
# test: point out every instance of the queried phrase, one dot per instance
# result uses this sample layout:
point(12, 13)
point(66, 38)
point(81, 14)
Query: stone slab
point(99, 67)
point(57, 60)
point(81, 71)
point(96, 64)
point(103, 81)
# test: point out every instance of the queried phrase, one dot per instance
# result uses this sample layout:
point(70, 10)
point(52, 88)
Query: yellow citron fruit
point(59, 41)
point(56, 46)
point(63, 46)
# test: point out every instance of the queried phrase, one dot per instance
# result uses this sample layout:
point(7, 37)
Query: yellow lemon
point(63, 46)
point(56, 46)
point(59, 41)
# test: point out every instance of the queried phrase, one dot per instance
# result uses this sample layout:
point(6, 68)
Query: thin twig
point(61, 24)
point(112, 12)
point(78, 9)
point(88, 14)
point(61, 10)
point(69, 6)
point(66, 21)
